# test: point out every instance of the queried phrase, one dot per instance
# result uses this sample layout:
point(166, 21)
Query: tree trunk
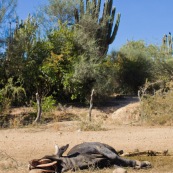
point(39, 108)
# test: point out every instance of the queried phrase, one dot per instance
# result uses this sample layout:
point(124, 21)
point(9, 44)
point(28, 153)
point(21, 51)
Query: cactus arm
point(111, 23)
point(94, 8)
point(115, 29)
point(76, 15)
point(110, 7)
point(87, 6)
point(98, 9)
point(105, 10)
point(81, 8)
point(95, 2)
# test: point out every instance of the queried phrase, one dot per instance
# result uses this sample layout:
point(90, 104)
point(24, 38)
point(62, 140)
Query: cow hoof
point(142, 164)
point(119, 170)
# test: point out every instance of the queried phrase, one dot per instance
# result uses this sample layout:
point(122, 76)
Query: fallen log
point(146, 153)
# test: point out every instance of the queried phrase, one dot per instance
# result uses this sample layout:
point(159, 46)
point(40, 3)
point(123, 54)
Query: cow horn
point(56, 149)
point(46, 165)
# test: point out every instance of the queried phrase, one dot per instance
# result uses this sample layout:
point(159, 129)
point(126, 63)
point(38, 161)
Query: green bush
point(12, 94)
point(132, 72)
point(48, 104)
point(133, 64)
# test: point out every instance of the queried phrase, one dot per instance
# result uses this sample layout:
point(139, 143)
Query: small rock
point(119, 170)
point(79, 130)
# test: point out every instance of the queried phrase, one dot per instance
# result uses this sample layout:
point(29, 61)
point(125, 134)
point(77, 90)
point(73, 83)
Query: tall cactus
point(107, 30)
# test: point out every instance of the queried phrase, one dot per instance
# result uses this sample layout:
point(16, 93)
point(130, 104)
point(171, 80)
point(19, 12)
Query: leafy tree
point(20, 47)
point(74, 66)
point(7, 10)
point(134, 64)
point(58, 66)
point(161, 63)
point(56, 10)
point(25, 55)
point(33, 70)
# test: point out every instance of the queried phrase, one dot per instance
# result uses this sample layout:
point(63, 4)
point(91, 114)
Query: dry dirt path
point(28, 143)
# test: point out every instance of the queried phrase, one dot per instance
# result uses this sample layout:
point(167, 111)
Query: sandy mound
point(127, 114)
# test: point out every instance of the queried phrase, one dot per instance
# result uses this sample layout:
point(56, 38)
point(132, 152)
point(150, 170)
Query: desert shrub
point(12, 94)
point(134, 65)
point(48, 104)
point(132, 73)
point(156, 103)
point(1, 100)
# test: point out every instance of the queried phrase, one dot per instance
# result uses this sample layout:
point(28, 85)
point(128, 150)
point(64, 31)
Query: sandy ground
point(21, 145)
point(25, 144)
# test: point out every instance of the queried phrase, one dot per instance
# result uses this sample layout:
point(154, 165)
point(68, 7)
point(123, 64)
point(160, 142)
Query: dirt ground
point(18, 146)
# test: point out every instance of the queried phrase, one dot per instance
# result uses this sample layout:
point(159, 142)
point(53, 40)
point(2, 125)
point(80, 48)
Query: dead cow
point(83, 156)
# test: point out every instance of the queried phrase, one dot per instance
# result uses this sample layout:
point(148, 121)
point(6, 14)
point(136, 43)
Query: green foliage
point(54, 11)
point(48, 104)
point(1, 101)
point(33, 70)
point(105, 78)
point(134, 65)
point(12, 93)
point(91, 74)
point(164, 68)
point(24, 57)
point(58, 66)
point(76, 57)
point(20, 47)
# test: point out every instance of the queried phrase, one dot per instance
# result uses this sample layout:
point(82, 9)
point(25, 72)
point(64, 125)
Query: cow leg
point(123, 162)
point(142, 164)
point(119, 161)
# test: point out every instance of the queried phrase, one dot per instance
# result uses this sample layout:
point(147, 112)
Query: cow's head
point(49, 163)
point(46, 165)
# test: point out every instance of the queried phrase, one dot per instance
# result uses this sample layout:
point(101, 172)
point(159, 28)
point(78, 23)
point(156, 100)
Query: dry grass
point(157, 106)
point(161, 164)
point(94, 125)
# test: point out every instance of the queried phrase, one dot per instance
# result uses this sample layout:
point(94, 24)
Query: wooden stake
point(91, 104)
point(39, 108)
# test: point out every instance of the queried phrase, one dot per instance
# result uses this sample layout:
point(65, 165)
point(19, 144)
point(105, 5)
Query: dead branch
point(147, 153)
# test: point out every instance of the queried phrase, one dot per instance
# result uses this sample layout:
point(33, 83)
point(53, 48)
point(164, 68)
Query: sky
point(146, 20)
